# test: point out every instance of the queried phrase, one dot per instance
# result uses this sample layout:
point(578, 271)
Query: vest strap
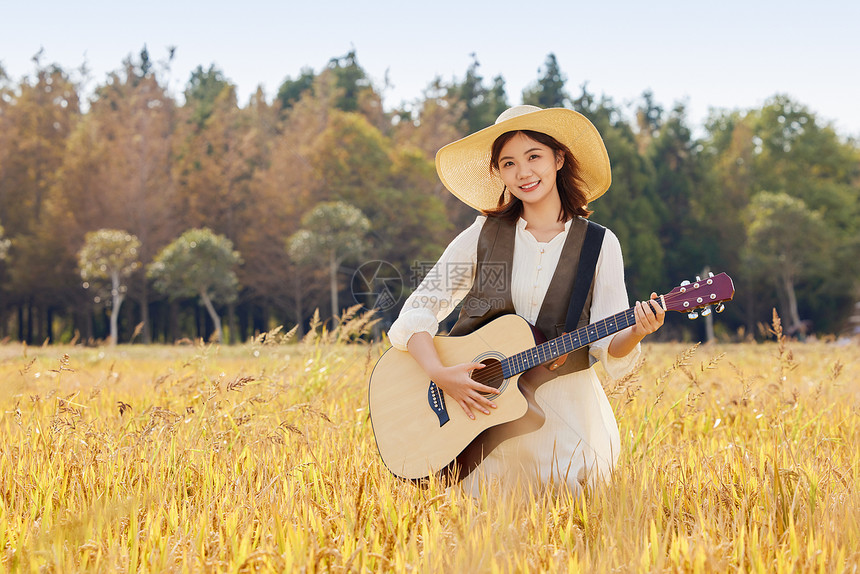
point(584, 273)
point(584, 278)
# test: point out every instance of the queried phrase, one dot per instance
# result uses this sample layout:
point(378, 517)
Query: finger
point(481, 388)
point(484, 401)
point(656, 308)
point(646, 317)
point(474, 402)
point(473, 366)
point(481, 407)
point(467, 409)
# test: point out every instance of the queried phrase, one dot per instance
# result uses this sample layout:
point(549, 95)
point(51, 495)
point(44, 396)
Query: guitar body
point(415, 440)
point(418, 435)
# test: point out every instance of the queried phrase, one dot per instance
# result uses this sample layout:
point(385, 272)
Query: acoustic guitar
point(418, 435)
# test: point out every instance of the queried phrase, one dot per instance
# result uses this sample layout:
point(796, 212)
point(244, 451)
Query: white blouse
point(579, 441)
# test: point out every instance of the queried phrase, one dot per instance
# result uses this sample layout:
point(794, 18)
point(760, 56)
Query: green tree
point(481, 105)
point(198, 264)
point(497, 99)
point(785, 243)
point(681, 189)
point(290, 91)
point(331, 233)
point(630, 207)
point(203, 89)
point(548, 91)
point(351, 81)
point(112, 255)
point(649, 120)
point(783, 148)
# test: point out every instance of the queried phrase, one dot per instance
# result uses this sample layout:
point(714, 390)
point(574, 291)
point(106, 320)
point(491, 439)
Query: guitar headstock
point(701, 294)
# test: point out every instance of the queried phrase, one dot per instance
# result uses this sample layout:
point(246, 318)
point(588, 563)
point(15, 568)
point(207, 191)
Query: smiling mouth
point(529, 186)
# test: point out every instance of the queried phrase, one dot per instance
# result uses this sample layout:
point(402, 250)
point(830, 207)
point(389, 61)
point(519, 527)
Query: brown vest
point(490, 296)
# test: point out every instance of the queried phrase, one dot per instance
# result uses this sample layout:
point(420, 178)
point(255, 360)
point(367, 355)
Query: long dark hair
point(570, 185)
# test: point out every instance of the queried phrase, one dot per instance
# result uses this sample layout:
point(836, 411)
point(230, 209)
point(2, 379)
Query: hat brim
point(464, 165)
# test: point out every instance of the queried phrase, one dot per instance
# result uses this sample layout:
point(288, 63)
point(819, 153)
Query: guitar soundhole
point(491, 375)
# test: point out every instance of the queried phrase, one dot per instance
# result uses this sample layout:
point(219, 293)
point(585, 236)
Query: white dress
point(579, 443)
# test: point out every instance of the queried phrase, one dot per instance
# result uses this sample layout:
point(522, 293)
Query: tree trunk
point(28, 336)
point(299, 306)
point(231, 322)
point(49, 324)
point(332, 267)
point(207, 302)
point(144, 312)
point(173, 321)
point(21, 324)
point(797, 326)
point(116, 303)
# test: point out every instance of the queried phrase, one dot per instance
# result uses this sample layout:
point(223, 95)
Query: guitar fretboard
point(567, 343)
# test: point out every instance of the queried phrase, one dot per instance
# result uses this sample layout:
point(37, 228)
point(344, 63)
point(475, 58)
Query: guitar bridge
point(436, 399)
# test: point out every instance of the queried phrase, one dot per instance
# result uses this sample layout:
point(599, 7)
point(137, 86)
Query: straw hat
point(464, 165)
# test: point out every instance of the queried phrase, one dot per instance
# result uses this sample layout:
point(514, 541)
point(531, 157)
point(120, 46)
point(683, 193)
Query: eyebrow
point(527, 152)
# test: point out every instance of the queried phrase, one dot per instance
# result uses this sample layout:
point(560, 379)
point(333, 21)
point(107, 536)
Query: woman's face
point(528, 168)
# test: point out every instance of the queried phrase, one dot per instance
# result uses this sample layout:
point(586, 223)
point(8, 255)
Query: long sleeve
point(610, 297)
point(441, 290)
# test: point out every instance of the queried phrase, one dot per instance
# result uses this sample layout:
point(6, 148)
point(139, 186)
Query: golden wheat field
point(260, 457)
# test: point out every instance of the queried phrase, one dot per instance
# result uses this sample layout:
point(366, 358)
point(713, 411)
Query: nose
point(524, 171)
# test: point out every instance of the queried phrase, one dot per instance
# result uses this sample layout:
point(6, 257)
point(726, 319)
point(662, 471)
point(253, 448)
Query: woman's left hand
point(649, 316)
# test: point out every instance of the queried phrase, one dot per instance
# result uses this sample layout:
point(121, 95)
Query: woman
point(532, 175)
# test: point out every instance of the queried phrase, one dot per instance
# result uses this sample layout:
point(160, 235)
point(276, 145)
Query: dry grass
point(261, 458)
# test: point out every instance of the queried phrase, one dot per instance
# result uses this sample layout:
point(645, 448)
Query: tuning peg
point(684, 283)
point(706, 311)
point(698, 278)
point(721, 308)
point(710, 273)
point(692, 315)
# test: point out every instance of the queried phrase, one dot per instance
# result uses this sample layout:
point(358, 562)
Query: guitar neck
point(567, 343)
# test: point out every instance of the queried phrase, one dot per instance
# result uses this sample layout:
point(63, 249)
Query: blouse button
point(540, 267)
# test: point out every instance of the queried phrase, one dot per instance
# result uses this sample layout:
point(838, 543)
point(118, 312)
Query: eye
point(534, 156)
point(507, 163)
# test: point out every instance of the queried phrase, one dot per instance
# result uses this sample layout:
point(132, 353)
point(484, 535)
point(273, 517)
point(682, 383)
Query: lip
point(530, 186)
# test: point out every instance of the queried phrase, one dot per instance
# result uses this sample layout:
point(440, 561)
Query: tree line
point(107, 201)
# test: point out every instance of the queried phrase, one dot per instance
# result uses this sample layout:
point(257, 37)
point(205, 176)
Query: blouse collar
point(521, 226)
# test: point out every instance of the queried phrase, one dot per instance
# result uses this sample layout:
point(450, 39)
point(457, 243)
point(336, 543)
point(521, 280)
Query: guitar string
point(496, 369)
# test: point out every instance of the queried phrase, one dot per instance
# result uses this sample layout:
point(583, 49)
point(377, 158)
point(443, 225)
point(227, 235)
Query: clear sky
point(731, 54)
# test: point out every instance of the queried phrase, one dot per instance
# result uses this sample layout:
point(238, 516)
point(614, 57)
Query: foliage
point(4, 244)
point(291, 90)
point(785, 244)
point(136, 157)
point(112, 255)
point(331, 233)
point(334, 230)
point(199, 262)
point(107, 253)
point(482, 104)
point(548, 91)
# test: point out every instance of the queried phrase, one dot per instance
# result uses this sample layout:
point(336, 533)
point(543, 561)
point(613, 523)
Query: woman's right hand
point(458, 385)
point(455, 381)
